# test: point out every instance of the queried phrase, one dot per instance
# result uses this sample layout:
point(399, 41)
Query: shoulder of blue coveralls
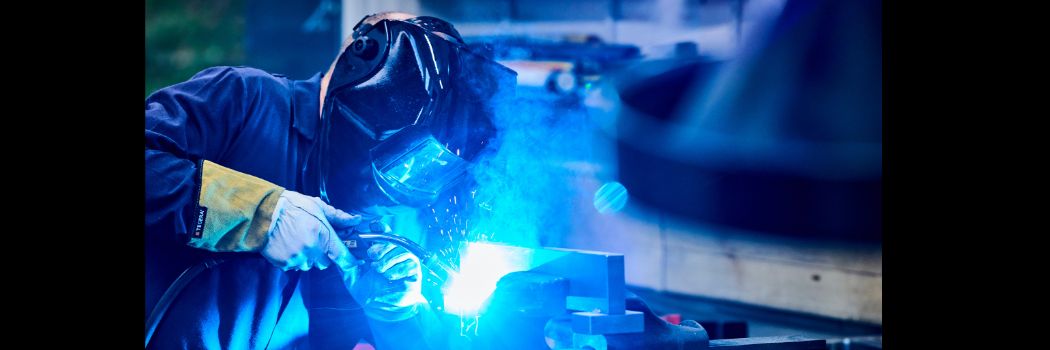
point(242, 71)
point(253, 81)
point(250, 76)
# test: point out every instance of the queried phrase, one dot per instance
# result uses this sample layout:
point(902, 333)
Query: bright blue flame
point(481, 267)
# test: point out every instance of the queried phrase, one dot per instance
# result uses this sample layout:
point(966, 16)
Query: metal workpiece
point(551, 298)
point(532, 293)
point(519, 311)
point(567, 298)
point(599, 323)
point(596, 279)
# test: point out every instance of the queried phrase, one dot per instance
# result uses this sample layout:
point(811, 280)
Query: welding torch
point(436, 271)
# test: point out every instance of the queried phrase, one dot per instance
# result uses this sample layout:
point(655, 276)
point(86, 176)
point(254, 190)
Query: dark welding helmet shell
point(405, 91)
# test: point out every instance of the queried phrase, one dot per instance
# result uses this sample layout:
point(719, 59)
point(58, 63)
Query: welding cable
point(428, 260)
point(434, 266)
point(173, 291)
point(412, 247)
point(190, 273)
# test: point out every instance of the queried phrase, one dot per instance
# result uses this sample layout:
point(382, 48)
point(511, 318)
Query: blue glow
point(526, 186)
point(610, 198)
point(481, 267)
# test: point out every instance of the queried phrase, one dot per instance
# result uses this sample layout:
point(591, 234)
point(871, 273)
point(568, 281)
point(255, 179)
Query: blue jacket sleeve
point(187, 123)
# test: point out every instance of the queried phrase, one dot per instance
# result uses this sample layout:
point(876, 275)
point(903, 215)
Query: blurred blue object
point(785, 138)
point(598, 55)
point(610, 198)
point(560, 66)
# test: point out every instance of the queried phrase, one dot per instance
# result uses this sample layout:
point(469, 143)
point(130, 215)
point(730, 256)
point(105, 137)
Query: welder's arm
point(189, 127)
point(208, 206)
point(234, 211)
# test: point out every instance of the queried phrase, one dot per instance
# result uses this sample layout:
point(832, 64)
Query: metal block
point(596, 280)
point(588, 304)
point(531, 293)
point(599, 323)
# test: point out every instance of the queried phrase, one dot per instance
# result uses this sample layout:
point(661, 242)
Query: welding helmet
point(407, 110)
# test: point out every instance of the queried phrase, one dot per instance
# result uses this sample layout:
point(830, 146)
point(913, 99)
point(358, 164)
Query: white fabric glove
point(302, 234)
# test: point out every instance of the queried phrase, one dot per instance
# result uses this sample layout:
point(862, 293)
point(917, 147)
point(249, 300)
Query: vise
point(553, 298)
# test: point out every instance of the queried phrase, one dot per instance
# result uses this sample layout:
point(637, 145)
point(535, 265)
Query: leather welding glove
point(238, 212)
point(390, 286)
point(303, 234)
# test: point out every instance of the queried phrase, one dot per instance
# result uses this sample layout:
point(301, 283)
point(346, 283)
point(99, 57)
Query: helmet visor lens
point(415, 169)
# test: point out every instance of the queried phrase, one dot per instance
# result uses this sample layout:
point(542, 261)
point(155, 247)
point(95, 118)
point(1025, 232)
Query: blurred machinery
point(786, 138)
point(558, 66)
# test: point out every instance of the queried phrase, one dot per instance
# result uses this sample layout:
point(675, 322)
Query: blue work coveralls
point(259, 124)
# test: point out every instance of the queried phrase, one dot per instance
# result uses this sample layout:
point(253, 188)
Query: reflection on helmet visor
point(423, 170)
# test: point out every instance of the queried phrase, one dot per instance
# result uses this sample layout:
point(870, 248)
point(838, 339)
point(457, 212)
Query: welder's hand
point(390, 287)
point(302, 234)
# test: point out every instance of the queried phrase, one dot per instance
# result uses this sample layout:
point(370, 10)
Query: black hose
point(412, 247)
point(173, 291)
point(437, 269)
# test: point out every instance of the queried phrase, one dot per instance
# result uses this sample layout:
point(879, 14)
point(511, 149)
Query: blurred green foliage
point(185, 36)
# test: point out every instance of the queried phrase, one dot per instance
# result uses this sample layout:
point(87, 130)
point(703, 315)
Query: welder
point(250, 177)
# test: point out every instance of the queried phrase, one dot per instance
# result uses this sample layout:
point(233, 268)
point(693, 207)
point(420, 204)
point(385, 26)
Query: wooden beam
point(791, 342)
